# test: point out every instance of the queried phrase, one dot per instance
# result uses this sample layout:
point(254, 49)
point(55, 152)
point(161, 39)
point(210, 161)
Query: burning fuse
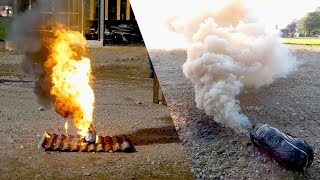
point(292, 152)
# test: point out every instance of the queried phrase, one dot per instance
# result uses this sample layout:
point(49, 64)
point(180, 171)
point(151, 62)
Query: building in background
point(105, 21)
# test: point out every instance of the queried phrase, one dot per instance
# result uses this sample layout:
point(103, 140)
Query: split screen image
point(149, 89)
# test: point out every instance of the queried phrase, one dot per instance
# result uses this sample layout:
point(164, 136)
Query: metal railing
point(70, 13)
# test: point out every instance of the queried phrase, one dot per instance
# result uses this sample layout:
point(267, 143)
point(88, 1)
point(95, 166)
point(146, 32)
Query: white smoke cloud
point(230, 47)
point(230, 50)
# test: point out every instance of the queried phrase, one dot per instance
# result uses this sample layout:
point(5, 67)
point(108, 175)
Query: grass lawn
point(302, 41)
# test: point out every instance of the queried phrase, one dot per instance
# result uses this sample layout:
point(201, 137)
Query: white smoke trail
point(230, 50)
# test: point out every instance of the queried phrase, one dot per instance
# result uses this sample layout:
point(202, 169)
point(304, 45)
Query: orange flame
point(47, 135)
point(70, 76)
point(66, 126)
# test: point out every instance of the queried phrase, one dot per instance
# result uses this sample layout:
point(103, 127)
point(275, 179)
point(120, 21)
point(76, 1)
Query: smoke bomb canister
point(294, 153)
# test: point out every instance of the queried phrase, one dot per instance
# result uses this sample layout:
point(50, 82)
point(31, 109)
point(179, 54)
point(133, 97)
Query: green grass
point(301, 41)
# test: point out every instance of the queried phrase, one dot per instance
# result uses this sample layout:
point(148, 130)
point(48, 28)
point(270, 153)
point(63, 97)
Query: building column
point(118, 9)
point(15, 7)
point(74, 6)
point(91, 9)
point(106, 4)
point(82, 17)
point(128, 10)
point(101, 19)
point(30, 4)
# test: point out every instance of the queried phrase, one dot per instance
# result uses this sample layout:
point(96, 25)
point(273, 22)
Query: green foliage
point(4, 25)
point(292, 27)
point(310, 24)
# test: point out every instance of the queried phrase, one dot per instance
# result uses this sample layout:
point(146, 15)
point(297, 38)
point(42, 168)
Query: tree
point(285, 32)
point(292, 27)
point(310, 24)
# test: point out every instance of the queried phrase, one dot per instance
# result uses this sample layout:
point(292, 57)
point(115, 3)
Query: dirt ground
point(290, 104)
point(123, 106)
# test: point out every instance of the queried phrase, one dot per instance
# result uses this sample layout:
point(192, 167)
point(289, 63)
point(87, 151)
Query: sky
point(152, 16)
point(282, 12)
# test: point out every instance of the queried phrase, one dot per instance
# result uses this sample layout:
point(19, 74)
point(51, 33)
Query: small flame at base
point(47, 135)
point(66, 126)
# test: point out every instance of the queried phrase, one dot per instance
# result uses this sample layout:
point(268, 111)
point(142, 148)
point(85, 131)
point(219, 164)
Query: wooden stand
point(156, 91)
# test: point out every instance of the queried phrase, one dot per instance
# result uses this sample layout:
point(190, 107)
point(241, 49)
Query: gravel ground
point(123, 106)
point(290, 104)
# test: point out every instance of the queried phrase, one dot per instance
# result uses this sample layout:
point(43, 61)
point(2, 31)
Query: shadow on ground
point(163, 135)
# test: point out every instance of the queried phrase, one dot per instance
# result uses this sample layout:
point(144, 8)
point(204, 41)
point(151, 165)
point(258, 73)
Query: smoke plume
point(26, 37)
point(56, 58)
point(230, 50)
point(30, 32)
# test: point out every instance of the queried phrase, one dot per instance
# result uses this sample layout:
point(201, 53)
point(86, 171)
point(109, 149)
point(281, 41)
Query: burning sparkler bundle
point(57, 59)
point(67, 79)
point(67, 71)
point(64, 78)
